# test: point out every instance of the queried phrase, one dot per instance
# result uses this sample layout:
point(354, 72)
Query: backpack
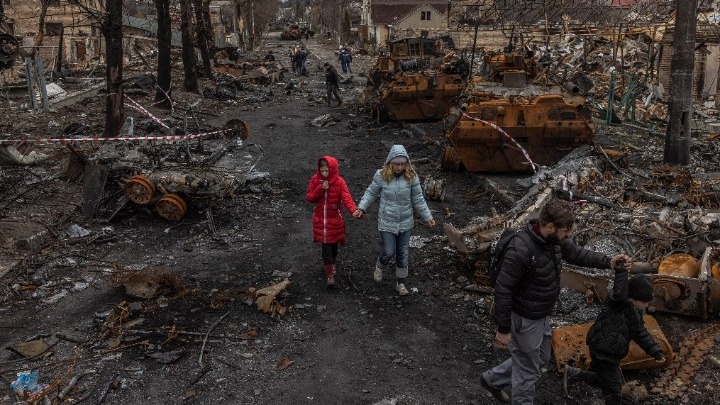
point(497, 251)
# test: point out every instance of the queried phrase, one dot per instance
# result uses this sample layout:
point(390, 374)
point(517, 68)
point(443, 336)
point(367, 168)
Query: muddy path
point(355, 344)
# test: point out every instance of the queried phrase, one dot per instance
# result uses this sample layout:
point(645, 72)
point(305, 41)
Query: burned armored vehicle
point(294, 32)
point(419, 79)
point(507, 124)
point(164, 173)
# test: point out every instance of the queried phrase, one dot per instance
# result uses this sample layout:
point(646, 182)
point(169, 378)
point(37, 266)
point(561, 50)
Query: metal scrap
point(568, 343)
point(689, 357)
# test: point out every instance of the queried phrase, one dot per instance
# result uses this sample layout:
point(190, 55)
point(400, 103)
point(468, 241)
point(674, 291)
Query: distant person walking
point(295, 59)
point(397, 186)
point(619, 323)
point(526, 291)
point(332, 83)
point(329, 192)
point(345, 59)
point(303, 55)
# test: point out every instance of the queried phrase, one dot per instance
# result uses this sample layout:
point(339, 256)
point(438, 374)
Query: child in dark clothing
point(619, 322)
point(329, 192)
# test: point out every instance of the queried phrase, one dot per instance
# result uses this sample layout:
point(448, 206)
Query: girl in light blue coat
point(397, 186)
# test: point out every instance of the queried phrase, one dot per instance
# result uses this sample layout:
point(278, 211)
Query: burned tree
point(188, 50)
point(112, 31)
point(110, 22)
point(209, 33)
point(41, 23)
point(203, 28)
point(164, 35)
point(677, 136)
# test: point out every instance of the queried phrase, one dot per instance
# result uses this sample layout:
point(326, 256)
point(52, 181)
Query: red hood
point(332, 165)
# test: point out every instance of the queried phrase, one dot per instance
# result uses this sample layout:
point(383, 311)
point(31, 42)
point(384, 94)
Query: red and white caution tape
point(135, 106)
point(502, 131)
point(114, 139)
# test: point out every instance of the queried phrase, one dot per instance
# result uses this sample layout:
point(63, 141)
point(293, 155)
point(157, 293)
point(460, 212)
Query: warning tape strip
point(502, 131)
point(135, 106)
point(115, 139)
point(142, 109)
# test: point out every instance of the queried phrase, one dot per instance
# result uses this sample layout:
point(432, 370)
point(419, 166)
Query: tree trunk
point(202, 38)
point(210, 34)
point(59, 63)
point(677, 137)
point(188, 50)
point(164, 35)
point(41, 24)
point(112, 31)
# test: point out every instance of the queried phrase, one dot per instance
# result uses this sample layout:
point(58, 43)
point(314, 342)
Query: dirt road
point(359, 343)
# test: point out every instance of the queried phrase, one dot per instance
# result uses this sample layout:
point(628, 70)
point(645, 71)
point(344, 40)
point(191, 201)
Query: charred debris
point(535, 108)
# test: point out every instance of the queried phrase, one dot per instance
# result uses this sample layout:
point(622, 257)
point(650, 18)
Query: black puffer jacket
point(529, 279)
point(619, 323)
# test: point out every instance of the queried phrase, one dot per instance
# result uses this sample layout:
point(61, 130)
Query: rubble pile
point(594, 66)
point(648, 212)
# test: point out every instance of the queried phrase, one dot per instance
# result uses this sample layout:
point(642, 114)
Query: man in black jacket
point(526, 291)
point(609, 337)
point(332, 82)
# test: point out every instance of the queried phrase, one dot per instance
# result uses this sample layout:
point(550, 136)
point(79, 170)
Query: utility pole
point(677, 137)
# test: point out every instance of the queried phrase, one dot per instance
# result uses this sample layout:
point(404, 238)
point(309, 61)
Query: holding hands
point(359, 214)
point(627, 259)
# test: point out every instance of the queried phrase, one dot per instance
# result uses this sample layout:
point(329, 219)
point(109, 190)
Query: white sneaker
point(377, 274)
point(400, 287)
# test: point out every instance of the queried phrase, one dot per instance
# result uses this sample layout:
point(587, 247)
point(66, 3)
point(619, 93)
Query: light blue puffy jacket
point(398, 198)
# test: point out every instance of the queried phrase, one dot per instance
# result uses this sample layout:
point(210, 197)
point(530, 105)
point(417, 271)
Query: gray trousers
point(529, 350)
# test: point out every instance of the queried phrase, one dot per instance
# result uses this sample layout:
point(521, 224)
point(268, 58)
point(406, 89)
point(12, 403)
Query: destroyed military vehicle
point(419, 79)
point(163, 174)
point(505, 124)
point(294, 32)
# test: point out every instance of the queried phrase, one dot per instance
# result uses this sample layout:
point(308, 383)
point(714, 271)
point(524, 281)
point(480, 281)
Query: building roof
point(389, 11)
point(150, 27)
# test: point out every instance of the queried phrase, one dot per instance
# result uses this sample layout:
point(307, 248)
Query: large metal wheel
point(171, 207)
point(140, 190)
point(236, 128)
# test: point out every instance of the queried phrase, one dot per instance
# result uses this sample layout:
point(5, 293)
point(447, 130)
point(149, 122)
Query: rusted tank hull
point(419, 80)
point(418, 97)
point(547, 127)
point(697, 296)
point(568, 343)
point(675, 292)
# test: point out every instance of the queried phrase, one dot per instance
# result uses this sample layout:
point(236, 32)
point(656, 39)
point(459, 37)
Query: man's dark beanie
point(640, 288)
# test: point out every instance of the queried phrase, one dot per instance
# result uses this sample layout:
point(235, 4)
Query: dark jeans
point(606, 376)
point(395, 245)
point(329, 252)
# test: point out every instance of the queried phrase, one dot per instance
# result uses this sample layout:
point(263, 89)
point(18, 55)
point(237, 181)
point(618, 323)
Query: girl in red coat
point(328, 191)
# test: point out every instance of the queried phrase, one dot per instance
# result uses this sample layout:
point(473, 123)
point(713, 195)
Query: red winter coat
point(328, 220)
